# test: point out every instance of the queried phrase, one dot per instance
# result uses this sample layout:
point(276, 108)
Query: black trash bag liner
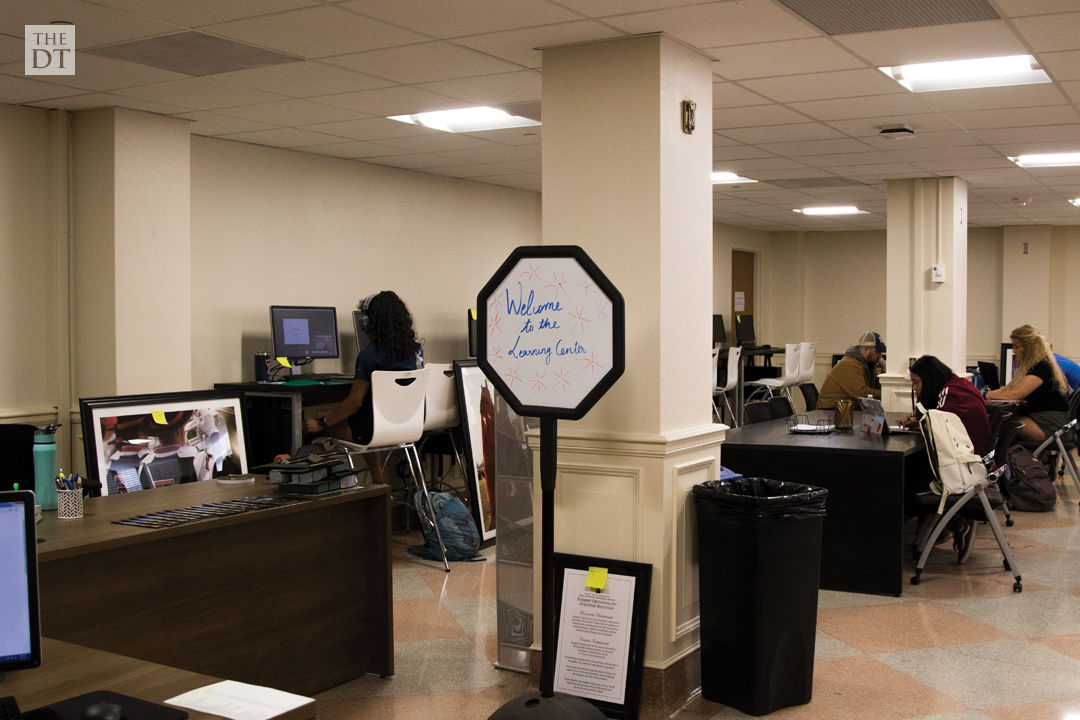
point(763, 498)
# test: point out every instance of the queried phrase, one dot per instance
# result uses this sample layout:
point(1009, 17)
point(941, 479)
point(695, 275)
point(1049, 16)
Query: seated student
point(393, 346)
point(1070, 370)
point(855, 375)
point(937, 386)
point(1039, 385)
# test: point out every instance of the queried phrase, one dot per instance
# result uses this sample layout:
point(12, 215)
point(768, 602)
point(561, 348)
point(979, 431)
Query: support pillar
point(625, 182)
point(926, 313)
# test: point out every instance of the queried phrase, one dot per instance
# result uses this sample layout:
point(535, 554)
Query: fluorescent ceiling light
point(466, 120)
point(833, 210)
point(1047, 160)
point(963, 74)
point(1075, 201)
point(729, 178)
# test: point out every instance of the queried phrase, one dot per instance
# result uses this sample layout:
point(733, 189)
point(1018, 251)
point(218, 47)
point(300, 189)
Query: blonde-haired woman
point(1038, 382)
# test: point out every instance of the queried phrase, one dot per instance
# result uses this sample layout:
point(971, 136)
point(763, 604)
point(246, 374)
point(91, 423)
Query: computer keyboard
point(321, 377)
point(9, 709)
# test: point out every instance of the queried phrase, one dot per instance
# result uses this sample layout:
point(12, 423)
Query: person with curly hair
point(1038, 385)
point(393, 346)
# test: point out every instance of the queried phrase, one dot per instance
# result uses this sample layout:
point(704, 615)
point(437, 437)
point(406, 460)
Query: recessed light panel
point(1047, 160)
point(966, 74)
point(832, 210)
point(729, 178)
point(472, 119)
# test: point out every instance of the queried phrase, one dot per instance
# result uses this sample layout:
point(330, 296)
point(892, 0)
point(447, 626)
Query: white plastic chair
point(767, 387)
point(733, 359)
point(397, 408)
point(441, 413)
point(806, 362)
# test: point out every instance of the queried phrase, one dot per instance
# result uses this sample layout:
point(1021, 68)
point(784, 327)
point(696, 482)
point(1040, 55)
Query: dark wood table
point(296, 598)
point(69, 670)
point(869, 479)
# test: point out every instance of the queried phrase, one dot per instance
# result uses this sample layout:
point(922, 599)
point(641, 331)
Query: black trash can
point(759, 559)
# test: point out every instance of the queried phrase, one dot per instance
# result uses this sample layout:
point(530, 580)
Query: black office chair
point(756, 412)
point(1057, 447)
point(810, 395)
point(780, 407)
point(990, 498)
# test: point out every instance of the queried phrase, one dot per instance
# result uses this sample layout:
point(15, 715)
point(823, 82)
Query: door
point(742, 291)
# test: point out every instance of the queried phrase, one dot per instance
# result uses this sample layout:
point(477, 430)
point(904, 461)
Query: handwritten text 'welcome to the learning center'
point(538, 319)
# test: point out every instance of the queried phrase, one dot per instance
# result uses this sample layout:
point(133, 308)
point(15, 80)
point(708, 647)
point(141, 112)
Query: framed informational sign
point(601, 609)
point(476, 402)
point(139, 442)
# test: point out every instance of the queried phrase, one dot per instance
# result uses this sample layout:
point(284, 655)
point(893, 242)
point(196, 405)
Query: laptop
point(989, 372)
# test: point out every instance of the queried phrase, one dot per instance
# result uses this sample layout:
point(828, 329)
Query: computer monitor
point(719, 334)
point(744, 329)
point(304, 332)
point(20, 619)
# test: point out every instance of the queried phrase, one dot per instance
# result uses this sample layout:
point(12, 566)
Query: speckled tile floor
point(959, 646)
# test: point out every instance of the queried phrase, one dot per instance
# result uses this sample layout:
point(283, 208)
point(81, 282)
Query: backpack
point(456, 526)
point(1028, 484)
point(957, 468)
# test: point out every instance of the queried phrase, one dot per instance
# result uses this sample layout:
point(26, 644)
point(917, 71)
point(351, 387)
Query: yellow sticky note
point(159, 417)
point(283, 362)
point(597, 578)
point(472, 311)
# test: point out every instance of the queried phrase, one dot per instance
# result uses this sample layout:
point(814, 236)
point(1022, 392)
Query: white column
point(926, 311)
point(624, 181)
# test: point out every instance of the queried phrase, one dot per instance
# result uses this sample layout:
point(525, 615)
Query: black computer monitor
point(304, 332)
point(744, 329)
point(719, 334)
point(20, 619)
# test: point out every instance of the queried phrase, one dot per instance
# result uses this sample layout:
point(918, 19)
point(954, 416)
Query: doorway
point(742, 295)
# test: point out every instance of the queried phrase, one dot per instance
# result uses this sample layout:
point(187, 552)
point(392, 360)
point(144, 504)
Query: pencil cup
point(69, 504)
point(843, 414)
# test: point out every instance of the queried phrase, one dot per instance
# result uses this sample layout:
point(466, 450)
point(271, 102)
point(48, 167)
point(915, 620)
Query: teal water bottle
point(45, 466)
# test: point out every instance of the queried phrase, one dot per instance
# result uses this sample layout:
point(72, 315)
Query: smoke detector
point(896, 132)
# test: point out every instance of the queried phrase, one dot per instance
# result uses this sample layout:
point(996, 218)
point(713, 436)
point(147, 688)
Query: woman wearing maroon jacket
point(937, 386)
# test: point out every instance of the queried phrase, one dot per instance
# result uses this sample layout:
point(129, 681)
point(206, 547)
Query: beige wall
point(281, 227)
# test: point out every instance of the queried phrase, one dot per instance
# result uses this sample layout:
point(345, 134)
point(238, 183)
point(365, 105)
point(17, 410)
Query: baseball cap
point(872, 339)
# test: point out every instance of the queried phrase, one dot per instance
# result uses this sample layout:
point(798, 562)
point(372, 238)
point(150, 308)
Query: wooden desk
point(866, 475)
point(68, 670)
point(274, 414)
point(296, 598)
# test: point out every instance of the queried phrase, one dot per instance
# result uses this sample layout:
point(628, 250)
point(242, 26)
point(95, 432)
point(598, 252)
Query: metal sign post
point(552, 341)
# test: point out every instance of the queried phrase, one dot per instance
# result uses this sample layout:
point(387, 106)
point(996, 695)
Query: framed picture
point(139, 442)
point(601, 609)
point(476, 398)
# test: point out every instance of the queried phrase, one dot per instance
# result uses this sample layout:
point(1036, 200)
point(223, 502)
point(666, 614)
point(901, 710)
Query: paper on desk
point(240, 701)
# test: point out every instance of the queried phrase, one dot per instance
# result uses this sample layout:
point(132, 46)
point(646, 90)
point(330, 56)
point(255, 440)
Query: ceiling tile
point(439, 142)
point(839, 84)
point(11, 49)
point(199, 94)
point(930, 44)
point(1072, 89)
point(463, 17)
point(755, 116)
point(495, 153)
point(737, 152)
point(410, 161)
point(370, 129)
point(1018, 8)
point(291, 112)
point(524, 46)
point(94, 25)
point(94, 72)
point(816, 147)
point(1015, 117)
point(399, 100)
point(498, 89)
point(898, 105)
point(425, 62)
point(1046, 134)
point(953, 166)
point(713, 25)
point(193, 13)
point(1015, 96)
point(352, 150)
point(786, 133)
point(1061, 65)
point(727, 95)
point(97, 100)
point(303, 79)
point(316, 32)
point(1050, 32)
point(843, 159)
point(19, 90)
point(924, 125)
point(205, 122)
point(788, 57)
point(283, 137)
point(512, 136)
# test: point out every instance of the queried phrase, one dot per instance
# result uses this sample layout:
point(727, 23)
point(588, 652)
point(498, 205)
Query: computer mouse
point(103, 711)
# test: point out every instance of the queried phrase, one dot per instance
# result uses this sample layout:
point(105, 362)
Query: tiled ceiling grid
point(798, 102)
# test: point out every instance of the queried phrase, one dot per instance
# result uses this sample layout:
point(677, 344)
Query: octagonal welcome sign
point(553, 331)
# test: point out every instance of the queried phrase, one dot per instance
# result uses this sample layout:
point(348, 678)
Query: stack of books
point(311, 475)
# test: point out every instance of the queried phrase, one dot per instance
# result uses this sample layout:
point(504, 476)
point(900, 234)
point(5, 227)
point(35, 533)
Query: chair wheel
point(1017, 587)
point(1009, 522)
point(916, 580)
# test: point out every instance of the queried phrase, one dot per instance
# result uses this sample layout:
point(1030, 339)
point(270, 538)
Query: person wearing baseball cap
point(855, 375)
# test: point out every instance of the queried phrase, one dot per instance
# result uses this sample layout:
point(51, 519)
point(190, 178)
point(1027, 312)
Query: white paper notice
point(594, 637)
point(740, 302)
point(240, 701)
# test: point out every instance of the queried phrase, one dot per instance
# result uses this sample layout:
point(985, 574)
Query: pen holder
point(69, 504)
point(843, 414)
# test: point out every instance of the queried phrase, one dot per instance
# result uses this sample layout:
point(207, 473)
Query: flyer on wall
point(594, 637)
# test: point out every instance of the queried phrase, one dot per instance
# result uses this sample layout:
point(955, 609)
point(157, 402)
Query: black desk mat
point(133, 708)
